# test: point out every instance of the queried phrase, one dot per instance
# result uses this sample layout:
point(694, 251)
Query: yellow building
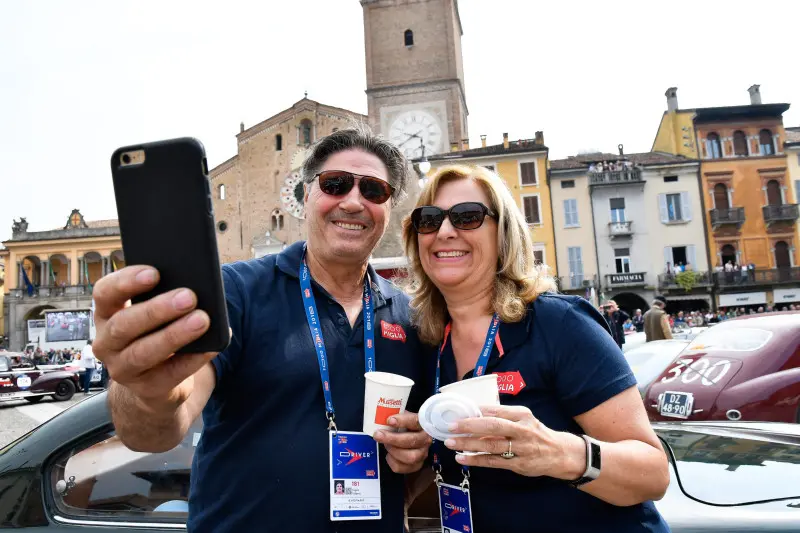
point(3, 261)
point(55, 269)
point(792, 149)
point(749, 205)
point(523, 166)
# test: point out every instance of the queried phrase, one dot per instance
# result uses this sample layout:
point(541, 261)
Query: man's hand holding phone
point(137, 343)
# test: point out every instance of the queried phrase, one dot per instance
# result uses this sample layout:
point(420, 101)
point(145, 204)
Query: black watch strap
point(592, 471)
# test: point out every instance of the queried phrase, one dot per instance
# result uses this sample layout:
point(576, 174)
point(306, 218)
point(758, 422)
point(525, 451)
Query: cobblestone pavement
point(18, 417)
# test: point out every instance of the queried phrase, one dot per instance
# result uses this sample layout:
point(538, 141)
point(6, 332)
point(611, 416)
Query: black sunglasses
point(340, 182)
point(466, 215)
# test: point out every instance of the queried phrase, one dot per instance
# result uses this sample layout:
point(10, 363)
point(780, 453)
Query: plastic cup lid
point(441, 410)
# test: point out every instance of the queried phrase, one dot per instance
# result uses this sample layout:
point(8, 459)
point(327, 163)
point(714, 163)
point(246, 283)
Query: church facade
point(415, 98)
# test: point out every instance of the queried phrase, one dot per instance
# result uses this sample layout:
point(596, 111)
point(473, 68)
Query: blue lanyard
point(480, 369)
point(312, 316)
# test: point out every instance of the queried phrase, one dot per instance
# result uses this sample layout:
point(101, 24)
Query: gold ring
point(508, 454)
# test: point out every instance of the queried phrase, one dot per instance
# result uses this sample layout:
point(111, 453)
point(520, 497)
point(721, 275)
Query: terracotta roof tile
point(108, 223)
point(582, 161)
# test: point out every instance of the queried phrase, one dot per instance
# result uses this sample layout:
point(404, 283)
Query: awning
point(784, 296)
point(688, 297)
point(742, 298)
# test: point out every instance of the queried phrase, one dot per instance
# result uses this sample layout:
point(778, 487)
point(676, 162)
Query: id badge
point(455, 509)
point(355, 483)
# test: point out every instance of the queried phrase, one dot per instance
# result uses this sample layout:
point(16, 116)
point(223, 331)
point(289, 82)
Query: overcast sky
point(79, 79)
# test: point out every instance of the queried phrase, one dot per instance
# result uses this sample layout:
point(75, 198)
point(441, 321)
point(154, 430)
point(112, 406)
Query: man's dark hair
point(359, 136)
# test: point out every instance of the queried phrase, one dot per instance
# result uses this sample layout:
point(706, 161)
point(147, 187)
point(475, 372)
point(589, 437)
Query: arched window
point(721, 196)
point(305, 131)
point(277, 220)
point(740, 143)
point(765, 142)
point(279, 142)
point(713, 146)
point(728, 254)
point(221, 191)
point(408, 36)
point(774, 196)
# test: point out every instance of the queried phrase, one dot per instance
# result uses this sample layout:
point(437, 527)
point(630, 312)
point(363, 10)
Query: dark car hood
point(736, 464)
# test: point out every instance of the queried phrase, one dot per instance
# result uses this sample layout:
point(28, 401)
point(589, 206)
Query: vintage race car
point(747, 368)
point(73, 474)
point(21, 379)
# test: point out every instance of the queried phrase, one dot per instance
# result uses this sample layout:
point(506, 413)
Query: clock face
point(292, 195)
point(411, 130)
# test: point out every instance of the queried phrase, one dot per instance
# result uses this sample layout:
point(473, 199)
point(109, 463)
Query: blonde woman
point(571, 448)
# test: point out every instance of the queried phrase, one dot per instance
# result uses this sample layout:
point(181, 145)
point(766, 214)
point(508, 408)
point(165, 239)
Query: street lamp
point(423, 164)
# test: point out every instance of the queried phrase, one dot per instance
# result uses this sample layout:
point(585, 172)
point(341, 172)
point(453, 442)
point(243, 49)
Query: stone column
point(44, 278)
point(20, 279)
point(73, 268)
point(80, 271)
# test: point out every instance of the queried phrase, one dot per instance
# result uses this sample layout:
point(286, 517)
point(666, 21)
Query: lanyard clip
point(465, 482)
point(331, 423)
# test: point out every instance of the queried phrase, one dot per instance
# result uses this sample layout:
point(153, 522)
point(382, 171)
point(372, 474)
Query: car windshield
point(732, 468)
point(731, 339)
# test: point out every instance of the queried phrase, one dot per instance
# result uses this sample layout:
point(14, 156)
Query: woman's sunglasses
point(466, 215)
point(340, 182)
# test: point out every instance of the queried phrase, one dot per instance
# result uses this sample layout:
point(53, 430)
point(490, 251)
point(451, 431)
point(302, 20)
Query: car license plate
point(676, 404)
point(7, 394)
point(96, 377)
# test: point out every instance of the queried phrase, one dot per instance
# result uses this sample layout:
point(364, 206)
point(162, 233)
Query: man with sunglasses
point(282, 406)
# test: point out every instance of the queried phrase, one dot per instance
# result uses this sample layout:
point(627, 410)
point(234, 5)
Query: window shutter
point(575, 220)
point(532, 209)
point(668, 256)
point(686, 208)
point(528, 171)
point(578, 261)
point(662, 207)
point(567, 214)
point(690, 256)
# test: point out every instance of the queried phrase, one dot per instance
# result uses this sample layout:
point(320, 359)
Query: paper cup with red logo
point(481, 390)
point(385, 395)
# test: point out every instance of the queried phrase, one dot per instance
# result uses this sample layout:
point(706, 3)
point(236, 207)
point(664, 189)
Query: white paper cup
point(385, 395)
point(481, 390)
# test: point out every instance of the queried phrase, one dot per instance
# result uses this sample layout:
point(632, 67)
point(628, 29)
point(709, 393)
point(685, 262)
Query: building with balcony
point(55, 269)
point(748, 199)
point(574, 228)
point(522, 165)
point(641, 208)
point(792, 149)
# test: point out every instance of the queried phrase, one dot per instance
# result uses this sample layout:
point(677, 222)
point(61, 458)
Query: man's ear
point(306, 190)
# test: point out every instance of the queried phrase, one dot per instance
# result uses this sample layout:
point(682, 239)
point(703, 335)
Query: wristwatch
point(592, 471)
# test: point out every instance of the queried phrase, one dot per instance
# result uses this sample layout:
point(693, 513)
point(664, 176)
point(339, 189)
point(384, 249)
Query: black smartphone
point(166, 220)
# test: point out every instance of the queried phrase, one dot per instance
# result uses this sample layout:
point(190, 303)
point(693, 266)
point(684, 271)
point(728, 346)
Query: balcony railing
point(627, 279)
point(619, 229)
point(616, 177)
point(674, 282)
point(780, 213)
point(766, 276)
point(733, 216)
point(39, 292)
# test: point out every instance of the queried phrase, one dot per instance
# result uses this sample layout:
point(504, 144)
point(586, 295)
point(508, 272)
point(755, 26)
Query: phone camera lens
point(126, 158)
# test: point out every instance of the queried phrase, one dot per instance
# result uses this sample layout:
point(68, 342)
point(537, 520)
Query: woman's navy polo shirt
point(559, 361)
point(262, 461)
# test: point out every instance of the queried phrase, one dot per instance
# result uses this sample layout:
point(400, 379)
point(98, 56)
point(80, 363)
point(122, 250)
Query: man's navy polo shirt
point(262, 461)
point(559, 361)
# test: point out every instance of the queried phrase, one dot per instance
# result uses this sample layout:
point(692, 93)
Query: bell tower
point(415, 73)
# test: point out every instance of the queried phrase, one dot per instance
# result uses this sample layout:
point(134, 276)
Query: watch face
point(412, 130)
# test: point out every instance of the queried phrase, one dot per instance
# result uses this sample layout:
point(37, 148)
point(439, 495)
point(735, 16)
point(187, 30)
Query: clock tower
point(415, 74)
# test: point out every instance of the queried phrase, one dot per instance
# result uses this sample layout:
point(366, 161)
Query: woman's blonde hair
point(519, 279)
